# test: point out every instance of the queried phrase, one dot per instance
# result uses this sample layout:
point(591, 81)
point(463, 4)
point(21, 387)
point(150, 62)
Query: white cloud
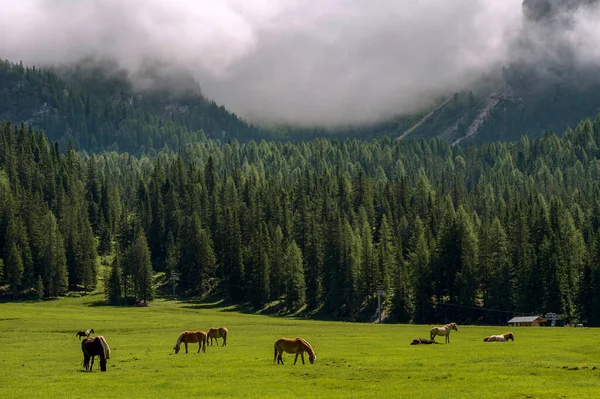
point(336, 61)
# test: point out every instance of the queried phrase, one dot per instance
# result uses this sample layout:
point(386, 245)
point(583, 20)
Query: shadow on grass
point(218, 303)
point(277, 309)
point(103, 303)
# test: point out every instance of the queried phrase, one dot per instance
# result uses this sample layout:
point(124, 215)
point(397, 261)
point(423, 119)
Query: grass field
point(40, 357)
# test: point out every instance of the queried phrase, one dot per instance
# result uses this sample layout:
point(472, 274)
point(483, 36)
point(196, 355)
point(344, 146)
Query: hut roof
point(525, 319)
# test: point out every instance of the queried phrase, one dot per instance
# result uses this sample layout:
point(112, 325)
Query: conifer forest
point(469, 233)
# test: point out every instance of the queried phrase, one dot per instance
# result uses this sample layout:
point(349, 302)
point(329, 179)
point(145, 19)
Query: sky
point(331, 62)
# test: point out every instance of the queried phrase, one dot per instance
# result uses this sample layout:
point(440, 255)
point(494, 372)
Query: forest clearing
point(41, 356)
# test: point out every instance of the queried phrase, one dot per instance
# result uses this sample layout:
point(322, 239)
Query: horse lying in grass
point(500, 338)
point(85, 333)
point(215, 333)
point(445, 331)
point(293, 345)
point(191, 337)
point(95, 346)
point(418, 341)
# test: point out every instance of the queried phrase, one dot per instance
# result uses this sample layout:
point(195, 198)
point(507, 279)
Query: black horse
point(418, 341)
point(85, 333)
point(95, 346)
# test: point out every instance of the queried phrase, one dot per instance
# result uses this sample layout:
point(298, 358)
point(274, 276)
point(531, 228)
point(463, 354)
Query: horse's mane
point(307, 345)
point(105, 346)
point(180, 338)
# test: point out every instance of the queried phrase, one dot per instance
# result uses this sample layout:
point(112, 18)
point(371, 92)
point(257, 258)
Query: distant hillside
point(537, 91)
point(510, 111)
point(95, 110)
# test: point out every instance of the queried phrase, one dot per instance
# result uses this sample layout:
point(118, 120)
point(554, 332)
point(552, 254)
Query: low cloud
point(330, 62)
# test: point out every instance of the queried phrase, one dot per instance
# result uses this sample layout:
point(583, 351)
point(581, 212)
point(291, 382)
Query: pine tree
point(495, 272)
point(466, 279)
point(52, 254)
point(387, 263)
point(197, 261)
point(138, 256)
point(294, 276)
point(313, 264)
point(15, 255)
point(260, 247)
point(420, 275)
point(233, 260)
point(277, 277)
point(114, 287)
point(13, 267)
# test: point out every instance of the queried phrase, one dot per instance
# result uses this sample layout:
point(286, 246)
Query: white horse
point(445, 331)
point(500, 338)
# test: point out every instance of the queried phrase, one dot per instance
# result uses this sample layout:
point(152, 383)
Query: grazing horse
point(418, 341)
point(85, 333)
point(445, 331)
point(293, 345)
point(215, 333)
point(191, 337)
point(95, 346)
point(500, 338)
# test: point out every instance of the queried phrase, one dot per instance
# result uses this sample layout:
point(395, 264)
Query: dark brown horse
point(85, 333)
point(95, 346)
point(293, 345)
point(215, 333)
point(418, 341)
point(191, 337)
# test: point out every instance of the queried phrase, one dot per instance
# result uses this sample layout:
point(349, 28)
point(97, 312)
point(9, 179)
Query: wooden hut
point(526, 321)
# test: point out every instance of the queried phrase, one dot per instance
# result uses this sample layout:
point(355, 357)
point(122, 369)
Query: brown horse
point(500, 338)
point(215, 333)
point(418, 341)
point(293, 345)
point(95, 346)
point(191, 337)
point(445, 331)
point(85, 333)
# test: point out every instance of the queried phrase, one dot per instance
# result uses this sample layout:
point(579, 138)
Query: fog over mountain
point(331, 62)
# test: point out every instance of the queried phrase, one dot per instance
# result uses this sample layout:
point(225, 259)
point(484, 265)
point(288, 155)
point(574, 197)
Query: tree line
point(472, 234)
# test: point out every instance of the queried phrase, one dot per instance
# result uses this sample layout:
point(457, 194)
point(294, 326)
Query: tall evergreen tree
point(294, 276)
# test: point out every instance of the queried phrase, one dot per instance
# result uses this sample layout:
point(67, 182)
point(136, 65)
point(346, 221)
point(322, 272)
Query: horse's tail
point(204, 340)
point(275, 355)
point(105, 347)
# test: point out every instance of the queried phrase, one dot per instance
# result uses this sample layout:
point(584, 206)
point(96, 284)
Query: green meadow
point(40, 356)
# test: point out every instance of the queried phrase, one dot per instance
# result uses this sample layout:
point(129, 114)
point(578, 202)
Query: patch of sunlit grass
point(40, 356)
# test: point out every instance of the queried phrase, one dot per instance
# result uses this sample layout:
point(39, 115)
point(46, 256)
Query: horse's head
point(453, 326)
point(510, 336)
point(312, 357)
point(176, 349)
point(102, 364)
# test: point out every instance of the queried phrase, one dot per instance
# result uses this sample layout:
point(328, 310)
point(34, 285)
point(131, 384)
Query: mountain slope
point(96, 111)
